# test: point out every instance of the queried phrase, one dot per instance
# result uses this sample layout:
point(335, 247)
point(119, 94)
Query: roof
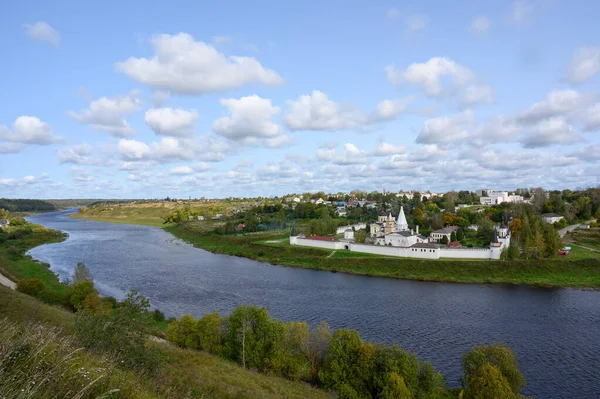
point(383, 214)
point(446, 230)
point(551, 215)
point(454, 244)
point(321, 238)
point(425, 245)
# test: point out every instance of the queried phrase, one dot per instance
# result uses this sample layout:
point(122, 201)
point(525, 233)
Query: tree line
point(340, 360)
point(26, 205)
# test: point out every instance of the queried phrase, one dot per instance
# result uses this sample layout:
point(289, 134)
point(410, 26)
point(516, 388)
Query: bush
point(78, 293)
point(52, 297)
point(31, 286)
point(499, 357)
point(158, 316)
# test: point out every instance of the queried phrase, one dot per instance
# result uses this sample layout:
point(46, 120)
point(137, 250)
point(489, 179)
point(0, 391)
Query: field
point(589, 238)
point(183, 373)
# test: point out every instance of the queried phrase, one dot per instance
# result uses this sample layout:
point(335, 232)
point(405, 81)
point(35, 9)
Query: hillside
point(183, 373)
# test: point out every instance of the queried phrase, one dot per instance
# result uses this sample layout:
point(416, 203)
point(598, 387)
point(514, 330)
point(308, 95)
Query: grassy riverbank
point(583, 270)
point(15, 265)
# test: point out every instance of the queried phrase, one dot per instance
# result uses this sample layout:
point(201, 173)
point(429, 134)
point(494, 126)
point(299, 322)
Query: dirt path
point(8, 283)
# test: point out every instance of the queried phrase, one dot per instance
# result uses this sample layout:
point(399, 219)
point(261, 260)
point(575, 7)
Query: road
point(8, 283)
point(563, 232)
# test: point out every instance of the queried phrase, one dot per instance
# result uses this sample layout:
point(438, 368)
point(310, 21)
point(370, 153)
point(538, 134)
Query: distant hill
point(26, 205)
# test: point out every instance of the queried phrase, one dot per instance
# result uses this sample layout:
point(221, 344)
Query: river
point(554, 332)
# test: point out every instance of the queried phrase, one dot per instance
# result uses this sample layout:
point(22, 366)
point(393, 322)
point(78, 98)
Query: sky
point(148, 99)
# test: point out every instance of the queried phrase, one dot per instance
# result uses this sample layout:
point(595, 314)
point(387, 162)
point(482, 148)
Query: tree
point(450, 198)
point(515, 227)
point(500, 357)
point(393, 359)
point(460, 234)
point(453, 237)
point(444, 240)
point(184, 332)
point(488, 383)
point(210, 332)
point(315, 349)
point(78, 292)
point(552, 240)
point(81, 273)
point(395, 388)
point(513, 249)
point(360, 236)
point(30, 286)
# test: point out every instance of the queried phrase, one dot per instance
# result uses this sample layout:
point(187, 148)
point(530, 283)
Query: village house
point(551, 218)
point(438, 235)
point(498, 197)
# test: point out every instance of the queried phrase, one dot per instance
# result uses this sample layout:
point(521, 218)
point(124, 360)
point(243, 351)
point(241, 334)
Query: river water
point(554, 332)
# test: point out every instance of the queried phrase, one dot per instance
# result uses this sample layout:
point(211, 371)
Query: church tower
point(401, 224)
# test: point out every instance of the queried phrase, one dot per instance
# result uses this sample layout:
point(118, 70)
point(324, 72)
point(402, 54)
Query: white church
point(389, 231)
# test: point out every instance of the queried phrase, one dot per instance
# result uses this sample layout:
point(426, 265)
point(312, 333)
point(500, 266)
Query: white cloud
point(351, 155)
point(43, 32)
point(426, 153)
point(24, 181)
point(29, 130)
point(172, 122)
point(183, 65)
point(81, 175)
point(221, 40)
point(498, 130)
point(557, 103)
point(446, 129)
point(250, 119)
point(280, 141)
point(521, 12)
point(475, 94)
point(133, 149)
point(392, 13)
point(480, 25)
point(585, 64)
point(416, 23)
point(549, 132)
point(11, 148)
point(76, 154)
point(181, 170)
point(389, 109)
point(591, 118)
point(429, 75)
point(316, 111)
point(109, 114)
point(385, 149)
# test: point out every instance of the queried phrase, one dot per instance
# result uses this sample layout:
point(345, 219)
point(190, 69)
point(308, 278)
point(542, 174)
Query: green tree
point(395, 388)
point(360, 236)
point(394, 360)
point(30, 286)
point(460, 234)
point(184, 332)
point(348, 363)
point(291, 352)
point(488, 383)
point(513, 249)
point(78, 292)
point(453, 237)
point(444, 240)
point(210, 332)
point(315, 350)
point(552, 240)
point(498, 356)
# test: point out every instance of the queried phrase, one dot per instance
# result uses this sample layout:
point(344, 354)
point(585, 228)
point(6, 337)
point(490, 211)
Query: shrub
point(158, 316)
point(498, 356)
point(210, 332)
point(78, 292)
point(30, 286)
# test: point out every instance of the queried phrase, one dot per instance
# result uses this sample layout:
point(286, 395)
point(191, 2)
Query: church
point(389, 231)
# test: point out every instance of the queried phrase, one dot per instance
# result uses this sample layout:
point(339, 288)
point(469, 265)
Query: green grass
point(16, 265)
point(183, 373)
point(589, 238)
point(581, 270)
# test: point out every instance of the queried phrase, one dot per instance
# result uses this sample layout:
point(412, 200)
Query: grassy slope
point(19, 267)
point(183, 371)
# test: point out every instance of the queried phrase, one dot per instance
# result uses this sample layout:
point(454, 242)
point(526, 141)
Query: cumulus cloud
point(429, 75)
point(480, 25)
point(557, 103)
point(184, 65)
point(523, 161)
point(316, 111)
point(385, 149)
point(447, 129)
point(172, 122)
point(250, 119)
point(109, 114)
point(133, 149)
point(75, 154)
point(44, 32)
point(585, 64)
point(11, 148)
point(549, 132)
point(29, 130)
point(475, 94)
point(498, 130)
point(390, 109)
point(591, 118)
point(351, 155)
point(426, 153)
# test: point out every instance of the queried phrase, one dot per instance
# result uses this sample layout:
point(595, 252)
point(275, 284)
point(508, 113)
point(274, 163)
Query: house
point(551, 218)
point(437, 235)
point(498, 197)
point(240, 227)
point(201, 218)
point(296, 200)
point(341, 210)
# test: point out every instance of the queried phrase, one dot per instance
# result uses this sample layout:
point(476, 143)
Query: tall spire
point(401, 223)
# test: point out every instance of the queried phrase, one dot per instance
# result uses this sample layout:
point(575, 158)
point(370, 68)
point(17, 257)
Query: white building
point(551, 218)
point(498, 197)
point(402, 236)
point(437, 235)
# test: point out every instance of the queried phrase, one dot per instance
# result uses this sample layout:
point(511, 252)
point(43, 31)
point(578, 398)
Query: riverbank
point(580, 270)
point(16, 265)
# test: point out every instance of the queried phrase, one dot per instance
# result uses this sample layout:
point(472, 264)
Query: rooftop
point(446, 230)
point(425, 245)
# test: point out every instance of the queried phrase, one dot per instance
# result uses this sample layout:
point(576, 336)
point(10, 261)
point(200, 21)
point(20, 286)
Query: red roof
point(454, 244)
point(321, 238)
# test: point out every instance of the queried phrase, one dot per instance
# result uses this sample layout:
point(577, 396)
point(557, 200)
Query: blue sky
point(148, 99)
